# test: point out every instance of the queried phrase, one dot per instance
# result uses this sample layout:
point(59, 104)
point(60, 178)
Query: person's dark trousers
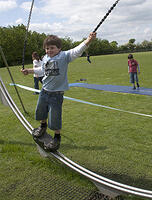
point(40, 78)
point(36, 83)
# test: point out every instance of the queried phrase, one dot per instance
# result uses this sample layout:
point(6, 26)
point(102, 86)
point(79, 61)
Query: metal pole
point(25, 41)
point(6, 64)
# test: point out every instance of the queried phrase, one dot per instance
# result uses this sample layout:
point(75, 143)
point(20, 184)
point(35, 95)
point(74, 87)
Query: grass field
point(114, 144)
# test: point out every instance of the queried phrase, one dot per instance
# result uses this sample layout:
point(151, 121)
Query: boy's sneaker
point(37, 132)
point(54, 145)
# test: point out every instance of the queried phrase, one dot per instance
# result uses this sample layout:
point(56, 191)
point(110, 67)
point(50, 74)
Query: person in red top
point(133, 68)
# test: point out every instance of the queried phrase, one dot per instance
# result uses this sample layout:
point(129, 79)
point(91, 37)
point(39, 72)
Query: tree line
point(12, 39)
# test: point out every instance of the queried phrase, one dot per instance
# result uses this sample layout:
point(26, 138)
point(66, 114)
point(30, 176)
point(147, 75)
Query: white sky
point(77, 18)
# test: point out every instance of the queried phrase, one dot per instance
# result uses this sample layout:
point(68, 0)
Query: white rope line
point(86, 102)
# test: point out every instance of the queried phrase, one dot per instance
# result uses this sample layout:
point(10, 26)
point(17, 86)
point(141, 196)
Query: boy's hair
point(130, 56)
point(35, 55)
point(52, 40)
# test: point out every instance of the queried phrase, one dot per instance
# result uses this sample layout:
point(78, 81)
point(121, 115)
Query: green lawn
point(114, 144)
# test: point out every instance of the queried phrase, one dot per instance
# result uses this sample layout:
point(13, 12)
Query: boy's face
point(52, 50)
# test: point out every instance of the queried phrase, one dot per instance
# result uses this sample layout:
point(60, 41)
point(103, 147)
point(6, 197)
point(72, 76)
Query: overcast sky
point(77, 18)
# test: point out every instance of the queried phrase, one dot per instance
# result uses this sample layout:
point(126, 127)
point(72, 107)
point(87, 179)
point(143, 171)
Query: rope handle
point(25, 40)
point(106, 15)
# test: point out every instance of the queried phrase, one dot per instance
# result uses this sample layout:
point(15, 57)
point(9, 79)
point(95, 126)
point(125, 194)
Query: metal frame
point(2, 98)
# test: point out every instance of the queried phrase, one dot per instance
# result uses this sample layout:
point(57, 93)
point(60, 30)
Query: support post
point(6, 64)
point(42, 152)
point(107, 191)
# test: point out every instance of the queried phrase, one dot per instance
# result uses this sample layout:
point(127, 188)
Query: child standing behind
point(36, 63)
point(133, 68)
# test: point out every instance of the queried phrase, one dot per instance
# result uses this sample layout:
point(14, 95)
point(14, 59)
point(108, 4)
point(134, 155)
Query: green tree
point(12, 40)
point(66, 43)
point(132, 41)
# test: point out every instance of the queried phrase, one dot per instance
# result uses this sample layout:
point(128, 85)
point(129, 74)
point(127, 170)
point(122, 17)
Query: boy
point(55, 82)
point(133, 67)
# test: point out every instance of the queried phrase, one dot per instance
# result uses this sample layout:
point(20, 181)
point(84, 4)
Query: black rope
point(106, 15)
point(6, 64)
point(25, 41)
point(103, 19)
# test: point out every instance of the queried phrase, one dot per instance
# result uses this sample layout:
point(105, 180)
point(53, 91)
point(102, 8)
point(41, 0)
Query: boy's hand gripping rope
point(109, 11)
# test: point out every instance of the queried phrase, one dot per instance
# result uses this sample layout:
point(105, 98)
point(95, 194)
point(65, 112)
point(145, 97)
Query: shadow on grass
point(16, 143)
point(74, 146)
point(141, 182)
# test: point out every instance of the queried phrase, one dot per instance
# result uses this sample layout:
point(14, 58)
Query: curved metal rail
point(101, 182)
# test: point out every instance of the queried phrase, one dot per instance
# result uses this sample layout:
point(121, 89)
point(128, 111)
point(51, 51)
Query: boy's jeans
point(49, 106)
